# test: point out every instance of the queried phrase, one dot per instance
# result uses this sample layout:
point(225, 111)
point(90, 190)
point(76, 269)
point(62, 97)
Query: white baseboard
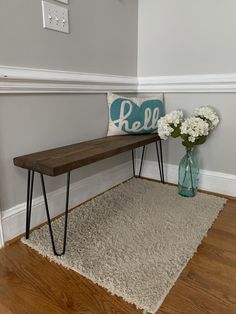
point(1, 234)
point(211, 181)
point(13, 219)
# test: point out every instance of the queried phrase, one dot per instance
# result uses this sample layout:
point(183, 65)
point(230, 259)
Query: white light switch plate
point(55, 17)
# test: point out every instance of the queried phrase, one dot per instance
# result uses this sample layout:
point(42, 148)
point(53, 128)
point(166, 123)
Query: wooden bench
point(57, 161)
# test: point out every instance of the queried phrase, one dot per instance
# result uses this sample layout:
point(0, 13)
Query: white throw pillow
point(135, 115)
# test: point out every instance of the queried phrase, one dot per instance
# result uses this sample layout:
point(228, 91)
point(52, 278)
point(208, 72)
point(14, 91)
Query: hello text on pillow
point(137, 115)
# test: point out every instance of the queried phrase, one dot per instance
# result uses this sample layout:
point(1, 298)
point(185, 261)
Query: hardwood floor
point(30, 284)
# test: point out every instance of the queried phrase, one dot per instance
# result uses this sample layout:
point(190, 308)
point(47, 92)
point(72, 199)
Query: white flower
point(174, 117)
point(191, 139)
point(166, 123)
point(209, 114)
point(194, 127)
point(164, 129)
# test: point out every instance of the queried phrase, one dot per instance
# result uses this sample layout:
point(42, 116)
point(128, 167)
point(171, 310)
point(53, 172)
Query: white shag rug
point(134, 240)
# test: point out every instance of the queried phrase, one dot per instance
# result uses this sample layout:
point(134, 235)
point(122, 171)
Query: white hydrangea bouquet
point(193, 130)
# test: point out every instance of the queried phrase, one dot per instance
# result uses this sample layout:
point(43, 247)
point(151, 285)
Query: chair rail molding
point(31, 80)
point(204, 83)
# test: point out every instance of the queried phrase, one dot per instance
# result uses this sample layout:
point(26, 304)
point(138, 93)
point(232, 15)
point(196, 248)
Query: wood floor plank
point(185, 298)
point(30, 284)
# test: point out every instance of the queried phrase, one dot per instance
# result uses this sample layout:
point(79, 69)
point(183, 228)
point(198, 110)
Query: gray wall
point(186, 37)
point(193, 37)
point(103, 39)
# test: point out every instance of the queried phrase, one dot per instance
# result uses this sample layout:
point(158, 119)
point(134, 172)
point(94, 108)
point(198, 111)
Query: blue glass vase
point(188, 174)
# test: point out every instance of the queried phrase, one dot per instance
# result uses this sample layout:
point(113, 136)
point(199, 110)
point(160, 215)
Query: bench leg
point(160, 161)
point(162, 165)
point(141, 164)
point(133, 162)
point(49, 218)
point(30, 187)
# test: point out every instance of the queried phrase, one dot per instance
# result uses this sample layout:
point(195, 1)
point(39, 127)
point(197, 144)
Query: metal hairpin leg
point(48, 215)
point(133, 162)
point(30, 187)
point(141, 164)
point(159, 159)
point(162, 166)
point(160, 163)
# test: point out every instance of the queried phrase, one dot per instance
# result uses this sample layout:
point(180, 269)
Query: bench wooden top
point(60, 160)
